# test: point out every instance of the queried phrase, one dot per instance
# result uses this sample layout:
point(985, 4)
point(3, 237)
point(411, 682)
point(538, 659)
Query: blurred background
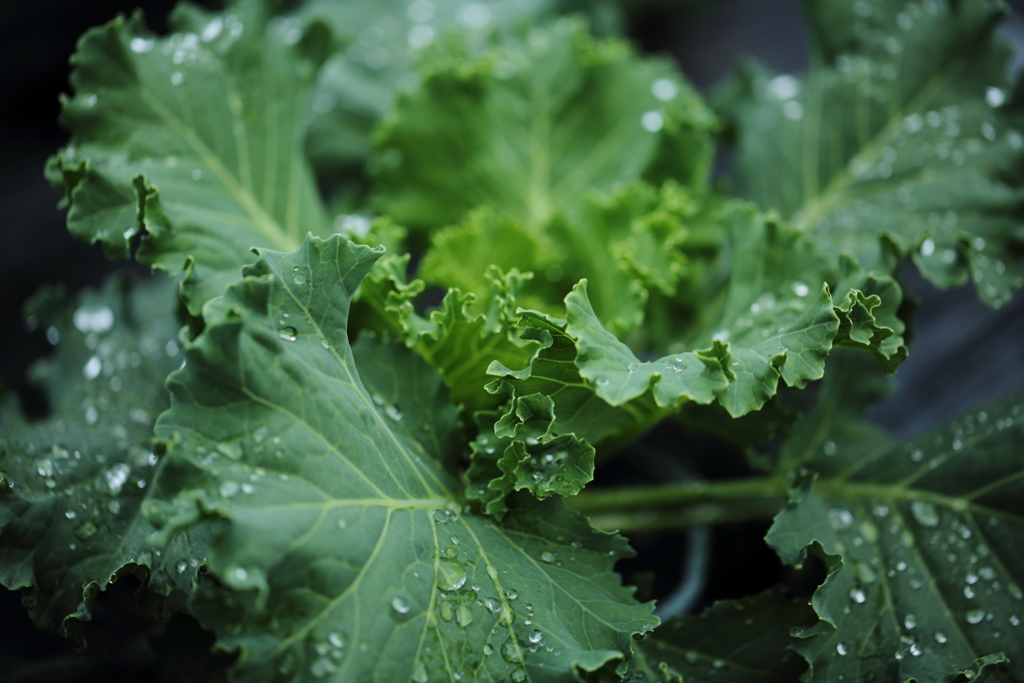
point(962, 354)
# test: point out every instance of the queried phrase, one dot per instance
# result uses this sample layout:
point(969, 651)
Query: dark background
point(963, 353)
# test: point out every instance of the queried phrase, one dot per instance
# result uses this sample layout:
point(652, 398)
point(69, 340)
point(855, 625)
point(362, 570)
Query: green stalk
point(683, 504)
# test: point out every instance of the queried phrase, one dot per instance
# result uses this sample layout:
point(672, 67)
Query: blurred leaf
point(71, 484)
point(899, 140)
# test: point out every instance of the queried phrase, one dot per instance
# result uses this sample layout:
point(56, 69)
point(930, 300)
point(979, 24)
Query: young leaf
point(72, 484)
point(194, 141)
point(900, 138)
point(744, 640)
point(626, 242)
point(530, 126)
point(345, 556)
point(771, 327)
point(456, 341)
point(922, 541)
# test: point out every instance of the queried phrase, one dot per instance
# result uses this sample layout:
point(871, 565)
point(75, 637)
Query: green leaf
point(899, 139)
point(922, 541)
point(518, 450)
point(744, 640)
point(194, 141)
point(71, 484)
point(532, 124)
point(348, 553)
point(378, 45)
point(457, 341)
point(460, 257)
point(769, 328)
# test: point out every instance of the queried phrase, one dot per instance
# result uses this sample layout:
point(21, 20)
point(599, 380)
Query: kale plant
point(423, 268)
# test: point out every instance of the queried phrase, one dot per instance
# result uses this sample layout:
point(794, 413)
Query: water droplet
point(508, 651)
point(829, 448)
point(602, 381)
point(488, 649)
point(664, 89)
point(536, 636)
point(548, 556)
point(839, 518)
point(857, 595)
point(180, 566)
point(116, 476)
point(925, 513)
point(910, 622)
point(652, 121)
point(299, 278)
point(464, 615)
point(325, 343)
point(241, 574)
point(1014, 620)
point(394, 413)
point(288, 333)
point(995, 97)
point(928, 247)
point(177, 78)
point(92, 368)
point(142, 45)
point(841, 648)
point(519, 675)
point(975, 616)
point(511, 594)
point(400, 605)
point(451, 574)
point(801, 289)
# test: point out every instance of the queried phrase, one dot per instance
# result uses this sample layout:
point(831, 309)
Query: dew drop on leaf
point(548, 556)
point(536, 636)
point(400, 605)
point(841, 648)
point(975, 616)
point(511, 594)
point(419, 673)
point(180, 566)
point(940, 637)
point(288, 333)
point(924, 513)
point(840, 518)
point(451, 574)
point(508, 651)
point(464, 615)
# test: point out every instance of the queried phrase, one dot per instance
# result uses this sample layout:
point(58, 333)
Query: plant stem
point(684, 504)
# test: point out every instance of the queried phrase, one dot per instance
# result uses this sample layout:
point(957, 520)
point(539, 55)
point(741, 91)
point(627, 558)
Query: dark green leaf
point(899, 139)
point(923, 543)
point(745, 640)
point(194, 141)
point(348, 552)
point(72, 483)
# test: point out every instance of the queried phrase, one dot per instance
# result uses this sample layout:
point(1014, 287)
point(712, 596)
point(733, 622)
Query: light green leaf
point(456, 339)
point(532, 125)
point(922, 541)
point(460, 257)
point(71, 484)
point(348, 552)
point(770, 327)
point(899, 139)
point(745, 640)
point(378, 44)
point(194, 141)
